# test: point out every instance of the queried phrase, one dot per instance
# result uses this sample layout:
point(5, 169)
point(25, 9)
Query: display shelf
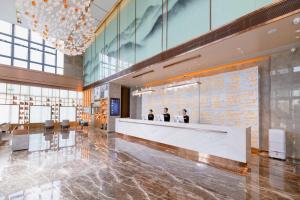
point(101, 116)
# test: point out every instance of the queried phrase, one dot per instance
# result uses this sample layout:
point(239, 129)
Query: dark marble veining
point(78, 165)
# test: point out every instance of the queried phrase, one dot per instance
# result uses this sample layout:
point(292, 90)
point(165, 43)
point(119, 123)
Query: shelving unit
point(101, 114)
point(26, 96)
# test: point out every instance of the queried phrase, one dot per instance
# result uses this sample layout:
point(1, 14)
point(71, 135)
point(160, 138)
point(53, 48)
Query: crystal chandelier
point(67, 24)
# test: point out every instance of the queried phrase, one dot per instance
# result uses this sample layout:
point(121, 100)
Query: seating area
point(49, 124)
point(4, 128)
point(20, 138)
point(65, 124)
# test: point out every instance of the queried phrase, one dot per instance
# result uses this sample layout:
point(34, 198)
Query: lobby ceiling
point(99, 9)
point(262, 40)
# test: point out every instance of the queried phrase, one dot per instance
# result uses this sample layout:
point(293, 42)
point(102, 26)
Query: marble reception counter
point(212, 143)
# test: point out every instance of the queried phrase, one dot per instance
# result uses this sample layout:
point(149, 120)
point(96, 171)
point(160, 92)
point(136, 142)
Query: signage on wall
point(101, 92)
point(114, 107)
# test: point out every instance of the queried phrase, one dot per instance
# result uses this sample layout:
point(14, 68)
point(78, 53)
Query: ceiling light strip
point(182, 86)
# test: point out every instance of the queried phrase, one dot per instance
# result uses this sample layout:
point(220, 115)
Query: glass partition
point(127, 34)
point(192, 17)
point(139, 29)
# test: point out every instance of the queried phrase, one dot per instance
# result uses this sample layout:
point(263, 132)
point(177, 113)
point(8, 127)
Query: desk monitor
point(159, 117)
point(179, 118)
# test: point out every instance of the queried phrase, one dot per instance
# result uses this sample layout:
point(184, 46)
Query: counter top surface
point(206, 127)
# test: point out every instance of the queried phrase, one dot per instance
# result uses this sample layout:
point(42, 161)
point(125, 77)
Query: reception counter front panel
point(225, 142)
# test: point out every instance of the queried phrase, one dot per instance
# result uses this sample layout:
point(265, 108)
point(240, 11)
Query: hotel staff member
point(150, 115)
point(166, 115)
point(186, 118)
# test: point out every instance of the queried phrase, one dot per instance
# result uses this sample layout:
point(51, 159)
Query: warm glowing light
point(140, 93)
point(68, 25)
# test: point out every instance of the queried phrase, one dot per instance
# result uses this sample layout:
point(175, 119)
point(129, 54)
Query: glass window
point(5, 37)
point(49, 44)
point(55, 92)
point(60, 59)
point(39, 50)
point(5, 60)
point(21, 32)
point(63, 93)
point(35, 91)
point(24, 90)
point(21, 52)
point(73, 94)
point(36, 56)
point(20, 63)
point(60, 71)
point(13, 89)
point(49, 59)
point(5, 48)
point(35, 66)
point(21, 42)
point(35, 37)
point(47, 92)
point(36, 46)
point(3, 88)
point(80, 94)
point(50, 50)
point(5, 27)
point(49, 69)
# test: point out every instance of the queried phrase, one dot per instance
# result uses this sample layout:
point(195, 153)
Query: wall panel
point(187, 20)
point(127, 34)
point(230, 98)
point(149, 22)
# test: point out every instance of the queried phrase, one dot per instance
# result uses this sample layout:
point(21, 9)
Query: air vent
point(182, 61)
point(142, 74)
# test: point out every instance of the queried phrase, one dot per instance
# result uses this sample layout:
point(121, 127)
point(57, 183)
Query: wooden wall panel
point(30, 77)
point(87, 100)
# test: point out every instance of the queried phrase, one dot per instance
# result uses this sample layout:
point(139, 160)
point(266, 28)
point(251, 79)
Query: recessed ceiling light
point(240, 50)
point(297, 31)
point(296, 20)
point(297, 37)
point(273, 30)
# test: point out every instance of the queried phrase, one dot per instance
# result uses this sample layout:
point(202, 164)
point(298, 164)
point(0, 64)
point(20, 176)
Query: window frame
point(44, 50)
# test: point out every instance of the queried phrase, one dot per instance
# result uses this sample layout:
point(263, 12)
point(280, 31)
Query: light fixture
point(141, 92)
point(293, 50)
point(296, 20)
point(240, 50)
point(297, 37)
point(297, 31)
point(271, 31)
point(67, 24)
point(171, 87)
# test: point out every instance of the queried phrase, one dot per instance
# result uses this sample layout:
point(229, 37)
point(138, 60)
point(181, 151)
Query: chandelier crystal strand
point(67, 24)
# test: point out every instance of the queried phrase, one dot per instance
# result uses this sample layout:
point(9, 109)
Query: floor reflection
point(94, 165)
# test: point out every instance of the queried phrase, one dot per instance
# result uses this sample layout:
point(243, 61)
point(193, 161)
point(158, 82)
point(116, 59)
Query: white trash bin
point(277, 144)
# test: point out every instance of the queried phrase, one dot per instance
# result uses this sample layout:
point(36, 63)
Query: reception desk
point(221, 146)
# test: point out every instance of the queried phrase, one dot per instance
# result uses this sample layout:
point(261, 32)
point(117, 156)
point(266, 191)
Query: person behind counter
point(186, 118)
point(150, 115)
point(166, 115)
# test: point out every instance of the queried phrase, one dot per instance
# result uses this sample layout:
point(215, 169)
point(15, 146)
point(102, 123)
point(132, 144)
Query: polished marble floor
point(92, 165)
